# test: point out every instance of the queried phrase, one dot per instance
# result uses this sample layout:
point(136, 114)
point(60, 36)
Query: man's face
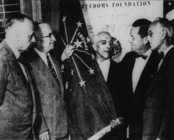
point(103, 47)
point(137, 43)
point(24, 34)
point(48, 38)
point(155, 36)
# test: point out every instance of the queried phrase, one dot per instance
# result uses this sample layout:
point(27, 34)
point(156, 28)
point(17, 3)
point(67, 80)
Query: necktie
point(52, 70)
point(160, 59)
point(161, 55)
point(142, 56)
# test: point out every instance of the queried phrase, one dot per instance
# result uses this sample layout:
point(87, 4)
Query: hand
point(117, 122)
point(69, 49)
point(44, 136)
point(158, 139)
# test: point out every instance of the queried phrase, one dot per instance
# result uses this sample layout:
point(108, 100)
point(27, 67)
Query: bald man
point(16, 92)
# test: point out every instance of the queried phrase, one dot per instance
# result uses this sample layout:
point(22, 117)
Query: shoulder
point(129, 57)
point(3, 51)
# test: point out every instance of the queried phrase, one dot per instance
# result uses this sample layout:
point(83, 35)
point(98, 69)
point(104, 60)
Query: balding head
point(44, 37)
point(19, 31)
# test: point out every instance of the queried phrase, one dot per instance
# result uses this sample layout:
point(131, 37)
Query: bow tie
point(142, 56)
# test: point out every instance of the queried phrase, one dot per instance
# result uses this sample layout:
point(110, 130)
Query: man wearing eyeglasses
point(46, 75)
point(158, 114)
point(17, 95)
point(103, 46)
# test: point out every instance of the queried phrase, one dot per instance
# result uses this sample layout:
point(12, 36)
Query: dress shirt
point(164, 52)
point(44, 58)
point(104, 67)
point(17, 54)
point(138, 68)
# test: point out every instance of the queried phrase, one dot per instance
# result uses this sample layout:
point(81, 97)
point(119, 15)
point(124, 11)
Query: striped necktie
point(52, 70)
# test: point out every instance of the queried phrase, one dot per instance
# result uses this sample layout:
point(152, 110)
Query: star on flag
point(88, 40)
point(92, 56)
point(72, 72)
point(78, 43)
point(91, 71)
point(64, 18)
point(82, 83)
point(79, 24)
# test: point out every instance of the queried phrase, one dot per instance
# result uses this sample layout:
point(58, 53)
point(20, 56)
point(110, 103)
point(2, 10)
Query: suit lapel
point(57, 67)
point(45, 70)
point(160, 71)
point(110, 73)
point(147, 73)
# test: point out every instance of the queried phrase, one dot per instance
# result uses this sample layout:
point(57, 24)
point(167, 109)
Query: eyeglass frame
point(49, 35)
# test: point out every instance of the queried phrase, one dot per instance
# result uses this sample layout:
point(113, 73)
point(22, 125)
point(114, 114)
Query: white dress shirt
point(139, 65)
point(104, 67)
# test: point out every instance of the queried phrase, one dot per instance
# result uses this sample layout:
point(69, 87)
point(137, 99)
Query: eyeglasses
point(104, 42)
point(30, 36)
point(49, 35)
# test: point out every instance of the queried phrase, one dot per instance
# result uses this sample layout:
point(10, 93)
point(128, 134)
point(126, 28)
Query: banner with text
point(116, 16)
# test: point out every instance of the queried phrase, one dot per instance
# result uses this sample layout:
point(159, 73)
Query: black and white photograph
point(86, 69)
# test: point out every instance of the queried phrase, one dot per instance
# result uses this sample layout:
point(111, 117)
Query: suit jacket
point(113, 75)
point(16, 99)
point(135, 101)
point(158, 113)
point(50, 94)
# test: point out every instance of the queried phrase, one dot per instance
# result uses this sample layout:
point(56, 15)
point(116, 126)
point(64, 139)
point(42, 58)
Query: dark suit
point(50, 93)
point(16, 101)
point(133, 102)
point(158, 113)
point(112, 83)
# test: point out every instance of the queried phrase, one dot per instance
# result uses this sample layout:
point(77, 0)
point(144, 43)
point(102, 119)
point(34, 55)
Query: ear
point(145, 40)
point(164, 34)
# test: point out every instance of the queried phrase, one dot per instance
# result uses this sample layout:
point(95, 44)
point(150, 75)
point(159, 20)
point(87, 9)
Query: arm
point(68, 51)
point(3, 80)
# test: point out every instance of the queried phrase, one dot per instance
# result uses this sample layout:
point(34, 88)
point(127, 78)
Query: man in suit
point(47, 79)
point(138, 68)
point(158, 113)
point(17, 99)
point(103, 46)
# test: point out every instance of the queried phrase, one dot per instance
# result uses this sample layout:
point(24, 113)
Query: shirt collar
point(102, 62)
point(40, 53)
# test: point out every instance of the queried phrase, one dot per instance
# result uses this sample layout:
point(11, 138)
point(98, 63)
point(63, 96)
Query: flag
point(89, 103)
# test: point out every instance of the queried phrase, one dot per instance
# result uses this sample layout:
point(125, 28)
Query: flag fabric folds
point(89, 103)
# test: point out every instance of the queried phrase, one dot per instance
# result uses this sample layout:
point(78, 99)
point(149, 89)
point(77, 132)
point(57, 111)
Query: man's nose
point(148, 38)
point(53, 38)
point(108, 45)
